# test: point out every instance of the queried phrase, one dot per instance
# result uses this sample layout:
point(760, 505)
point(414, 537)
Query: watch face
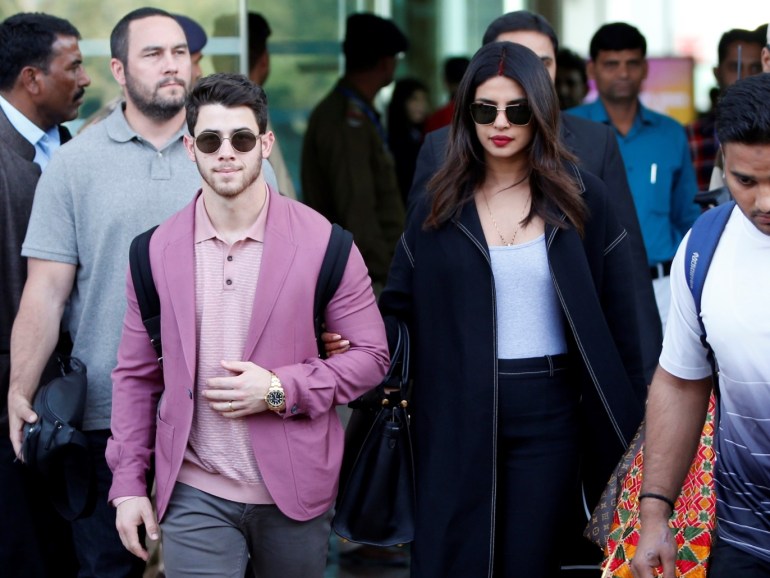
point(275, 397)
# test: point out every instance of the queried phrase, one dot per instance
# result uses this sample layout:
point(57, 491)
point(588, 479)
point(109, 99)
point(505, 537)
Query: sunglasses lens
point(519, 114)
point(208, 142)
point(243, 141)
point(483, 113)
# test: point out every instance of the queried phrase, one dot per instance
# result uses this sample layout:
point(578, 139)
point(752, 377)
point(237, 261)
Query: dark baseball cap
point(196, 36)
point(369, 34)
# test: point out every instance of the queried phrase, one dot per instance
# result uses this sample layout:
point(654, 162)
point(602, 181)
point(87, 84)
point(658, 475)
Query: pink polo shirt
point(219, 459)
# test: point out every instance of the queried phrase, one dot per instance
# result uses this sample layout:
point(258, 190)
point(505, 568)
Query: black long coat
point(441, 282)
point(596, 148)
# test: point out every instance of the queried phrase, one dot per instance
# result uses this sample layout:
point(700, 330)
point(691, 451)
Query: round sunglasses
point(518, 114)
point(242, 141)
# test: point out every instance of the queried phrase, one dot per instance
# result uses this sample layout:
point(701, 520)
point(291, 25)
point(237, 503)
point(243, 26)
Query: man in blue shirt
point(654, 148)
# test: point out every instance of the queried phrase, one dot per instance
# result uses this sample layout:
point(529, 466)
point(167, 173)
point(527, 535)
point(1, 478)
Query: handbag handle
point(396, 378)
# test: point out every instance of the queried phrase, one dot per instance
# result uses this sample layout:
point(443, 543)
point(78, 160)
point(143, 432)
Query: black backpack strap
point(144, 287)
point(332, 269)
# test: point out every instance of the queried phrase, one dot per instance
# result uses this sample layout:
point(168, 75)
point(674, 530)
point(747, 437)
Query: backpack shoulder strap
point(332, 269)
point(701, 245)
point(144, 287)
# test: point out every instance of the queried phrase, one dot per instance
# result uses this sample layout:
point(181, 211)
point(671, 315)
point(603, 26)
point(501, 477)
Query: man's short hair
point(368, 38)
point(566, 59)
point(617, 36)
point(743, 112)
point(259, 31)
point(231, 91)
point(119, 36)
point(738, 35)
point(518, 21)
point(26, 39)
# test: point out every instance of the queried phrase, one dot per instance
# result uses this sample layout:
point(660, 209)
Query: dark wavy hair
point(554, 187)
point(230, 90)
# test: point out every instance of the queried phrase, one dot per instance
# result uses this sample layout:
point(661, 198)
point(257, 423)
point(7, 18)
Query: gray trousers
point(203, 535)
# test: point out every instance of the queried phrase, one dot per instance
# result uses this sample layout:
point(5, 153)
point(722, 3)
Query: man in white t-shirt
point(735, 309)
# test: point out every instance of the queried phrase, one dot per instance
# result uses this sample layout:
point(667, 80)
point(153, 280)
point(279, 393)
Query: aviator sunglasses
point(242, 140)
point(518, 114)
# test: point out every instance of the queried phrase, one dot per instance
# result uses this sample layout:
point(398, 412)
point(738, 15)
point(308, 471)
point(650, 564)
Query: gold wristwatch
point(275, 398)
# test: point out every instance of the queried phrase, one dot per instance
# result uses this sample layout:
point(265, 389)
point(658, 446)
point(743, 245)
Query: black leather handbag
point(376, 502)
point(54, 444)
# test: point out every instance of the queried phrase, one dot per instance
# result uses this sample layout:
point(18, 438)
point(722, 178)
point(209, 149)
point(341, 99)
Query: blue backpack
point(701, 245)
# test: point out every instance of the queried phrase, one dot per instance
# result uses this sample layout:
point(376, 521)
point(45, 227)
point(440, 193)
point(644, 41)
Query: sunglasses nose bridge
point(230, 148)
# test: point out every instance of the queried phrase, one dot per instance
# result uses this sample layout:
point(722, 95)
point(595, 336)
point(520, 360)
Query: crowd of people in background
point(531, 241)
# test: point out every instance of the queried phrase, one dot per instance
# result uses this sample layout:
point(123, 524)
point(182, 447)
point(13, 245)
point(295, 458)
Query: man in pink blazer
point(241, 417)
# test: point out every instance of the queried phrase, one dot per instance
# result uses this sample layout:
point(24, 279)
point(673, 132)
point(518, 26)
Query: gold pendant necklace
point(492, 217)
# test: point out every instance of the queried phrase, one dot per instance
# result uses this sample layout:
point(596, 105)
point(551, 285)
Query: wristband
point(660, 497)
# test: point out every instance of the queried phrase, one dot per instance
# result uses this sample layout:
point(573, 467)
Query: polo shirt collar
point(120, 131)
point(204, 229)
point(643, 114)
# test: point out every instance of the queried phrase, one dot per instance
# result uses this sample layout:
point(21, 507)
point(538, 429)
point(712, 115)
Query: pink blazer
point(299, 453)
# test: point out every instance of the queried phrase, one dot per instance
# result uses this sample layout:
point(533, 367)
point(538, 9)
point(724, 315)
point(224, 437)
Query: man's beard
point(153, 106)
point(233, 190)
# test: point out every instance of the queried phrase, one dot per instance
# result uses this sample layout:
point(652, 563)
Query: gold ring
point(231, 405)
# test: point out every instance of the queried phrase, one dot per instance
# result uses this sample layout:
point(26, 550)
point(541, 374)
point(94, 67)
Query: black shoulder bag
point(376, 501)
point(54, 445)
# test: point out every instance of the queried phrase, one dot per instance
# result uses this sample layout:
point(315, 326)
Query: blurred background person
point(571, 78)
point(454, 68)
point(739, 55)
point(196, 42)
point(654, 148)
point(409, 107)
point(348, 174)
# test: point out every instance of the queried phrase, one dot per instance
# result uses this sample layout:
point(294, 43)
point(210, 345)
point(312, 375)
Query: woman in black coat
point(513, 277)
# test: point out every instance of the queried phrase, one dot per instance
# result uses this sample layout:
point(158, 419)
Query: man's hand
point(241, 394)
point(19, 413)
point(656, 547)
point(131, 514)
point(334, 344)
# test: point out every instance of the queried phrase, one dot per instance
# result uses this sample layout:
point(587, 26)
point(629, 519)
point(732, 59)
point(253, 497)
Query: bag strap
point(701, 246)
point(144, 287)
point(332, 268)
point(398, 371)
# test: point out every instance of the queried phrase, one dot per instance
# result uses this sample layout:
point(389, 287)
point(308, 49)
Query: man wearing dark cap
point(196, 41)
point(348, 174)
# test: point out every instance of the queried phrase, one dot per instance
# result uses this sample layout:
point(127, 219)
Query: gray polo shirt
point(98, 192)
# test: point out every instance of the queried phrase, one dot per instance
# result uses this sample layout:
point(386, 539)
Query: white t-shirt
point(735, 308)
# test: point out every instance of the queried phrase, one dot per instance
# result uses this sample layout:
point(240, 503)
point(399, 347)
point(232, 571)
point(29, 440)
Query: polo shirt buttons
point(229, 282)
